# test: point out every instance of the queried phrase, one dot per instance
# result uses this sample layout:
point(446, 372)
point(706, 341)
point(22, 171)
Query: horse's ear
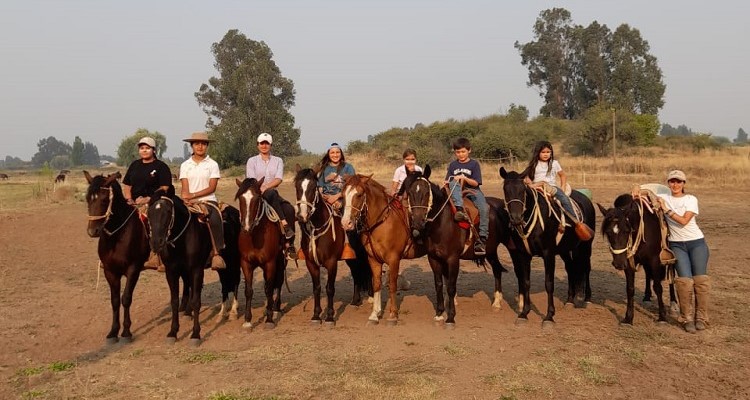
point(427, 171)
point(602, 209)
point(503, 172)
point(111, 178)
point(88, 176)
point(260, 182)
point(117, 175)
point(297, 167)
point(316, 169)
point(238, 182)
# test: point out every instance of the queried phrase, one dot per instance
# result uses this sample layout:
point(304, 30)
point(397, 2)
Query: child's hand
point(527, 180)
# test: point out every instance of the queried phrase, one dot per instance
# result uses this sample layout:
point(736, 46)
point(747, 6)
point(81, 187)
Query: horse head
point(250, 198)
point(618, 228)
point(514, 190)
point(161, 218)
point(100, 196)
point(354, 199)
point(417, 191)
point(308, 196)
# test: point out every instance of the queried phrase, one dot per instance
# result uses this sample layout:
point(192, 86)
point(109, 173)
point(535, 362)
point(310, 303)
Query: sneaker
point(153, 262)
point(291, 253)
point(479, 248)
point(217, 263)
point(288, 231)
point(460, 215)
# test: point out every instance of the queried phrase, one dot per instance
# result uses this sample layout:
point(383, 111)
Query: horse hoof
point(170, 340)
point(315, 322)
point(234, 317)
point(329, 324)
point(112, 340)
point(370, 300)
point(624, 324)
point(276, 315)
point(647, 301)
point(371, 322)
point(569, 305)
point(247, 325)
point(391, 322)
point(268, 326)
point(548, 324)
point(195, 342)
point(662, 323)
point(127, 339)
point(450, 326)
point(521, 321)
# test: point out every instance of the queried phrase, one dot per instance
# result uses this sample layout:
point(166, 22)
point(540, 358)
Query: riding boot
point(460, 215)
point(479, 247)
point(154, 262)
point(702, 288)
point(216, 233)
point(685, 291)
point(291, 251)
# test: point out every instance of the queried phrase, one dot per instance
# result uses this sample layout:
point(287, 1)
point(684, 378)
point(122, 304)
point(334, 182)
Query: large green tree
point(49, 148)
point(575, 67)
point(90, 154)
point(127, 151)
point(76, 154)
point(249, 96)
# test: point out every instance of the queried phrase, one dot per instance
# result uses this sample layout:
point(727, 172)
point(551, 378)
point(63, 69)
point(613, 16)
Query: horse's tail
point(360, 267)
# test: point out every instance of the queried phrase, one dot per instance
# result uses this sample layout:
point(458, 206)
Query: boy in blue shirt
point(467, 171)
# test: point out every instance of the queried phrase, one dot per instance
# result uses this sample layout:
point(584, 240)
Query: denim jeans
point(479, 201)
point(564, 201)
point(692, 257)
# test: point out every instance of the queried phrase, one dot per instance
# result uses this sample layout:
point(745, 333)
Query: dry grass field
point(54, 314)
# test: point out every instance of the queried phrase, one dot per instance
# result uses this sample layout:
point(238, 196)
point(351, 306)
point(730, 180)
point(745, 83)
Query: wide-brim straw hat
point(198, 137)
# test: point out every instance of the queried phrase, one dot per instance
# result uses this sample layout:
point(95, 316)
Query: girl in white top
point(199, 176)
point(543, 168)
point(410, 164)
point(689, 246)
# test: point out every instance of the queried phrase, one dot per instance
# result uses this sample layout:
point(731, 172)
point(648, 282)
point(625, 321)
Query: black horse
point(536, 222)
point(184, 244)
point(633, 231)
point(323, 242)
point(123, 245)
point(448, 243)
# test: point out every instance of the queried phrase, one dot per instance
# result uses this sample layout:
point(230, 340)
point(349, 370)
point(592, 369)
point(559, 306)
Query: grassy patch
point(224, 395)
point(203, 357)
point(34, 394)
point(60, 366)
point(589, 365)
point(30, 371)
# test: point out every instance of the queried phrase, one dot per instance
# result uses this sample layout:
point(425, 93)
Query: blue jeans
point(692, 257)
point(564, 201)
point(479, 202)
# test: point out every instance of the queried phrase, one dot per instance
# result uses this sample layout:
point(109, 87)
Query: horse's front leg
point(450, 271)
point(131, 280)
point(647, 290)
point(573, 277)
point(330, 292)
point(185, 301)
point(113, 280)
point(248, 274)
point(497, 273)
point(659, 275)
point(314, 270)
point(269, 275)
point(549, 285)
point(195, 302)
point(630, 292)
point(377, 302)
point(393, 266)
point(522, 267)
point(439, 299)
point(173, 280)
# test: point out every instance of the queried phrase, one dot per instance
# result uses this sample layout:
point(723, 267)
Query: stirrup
point(667, 257)
point(291, 253)
point(348, 253)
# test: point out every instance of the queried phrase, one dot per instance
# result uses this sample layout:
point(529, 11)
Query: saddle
point(654, 204)
point(583, 231)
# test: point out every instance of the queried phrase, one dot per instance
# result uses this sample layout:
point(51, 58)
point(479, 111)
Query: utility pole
point(614, 139)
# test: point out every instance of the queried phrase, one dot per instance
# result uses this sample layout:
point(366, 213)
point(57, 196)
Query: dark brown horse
point(633, 231)
point(261, 244)
point(60, 178)
point(383, 226)
point(123, 245)
point(184, 244)
point(448, 243)
point(535, 225)
point(322, 243)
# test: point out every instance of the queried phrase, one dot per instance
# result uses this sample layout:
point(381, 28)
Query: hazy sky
point(102, 69)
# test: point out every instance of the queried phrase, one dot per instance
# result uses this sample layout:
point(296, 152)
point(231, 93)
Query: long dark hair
point(327, 159)
point(538, 147)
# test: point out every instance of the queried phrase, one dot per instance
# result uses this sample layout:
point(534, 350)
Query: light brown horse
point(383, 225)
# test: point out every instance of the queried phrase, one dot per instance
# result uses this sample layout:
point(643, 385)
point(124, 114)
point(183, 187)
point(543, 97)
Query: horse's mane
point(159, 193)
point(623, 200)
point(305, 173)
point(515, 175)
point(244, 186)
point(621, 209)
point(98, 181)
point(414, 175)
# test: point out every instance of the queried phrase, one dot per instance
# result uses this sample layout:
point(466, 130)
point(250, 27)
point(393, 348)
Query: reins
point(109, 213)
point(631, 247)
point(172, 221)
point(314, 232)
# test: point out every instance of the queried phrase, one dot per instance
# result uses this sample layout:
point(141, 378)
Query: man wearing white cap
point(270, 167)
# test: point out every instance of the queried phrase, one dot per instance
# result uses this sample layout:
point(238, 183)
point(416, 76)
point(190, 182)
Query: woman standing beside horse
point(199, 176)
point(145, 176)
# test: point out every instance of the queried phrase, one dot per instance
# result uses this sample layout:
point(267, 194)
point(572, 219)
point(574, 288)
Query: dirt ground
point(55, 313)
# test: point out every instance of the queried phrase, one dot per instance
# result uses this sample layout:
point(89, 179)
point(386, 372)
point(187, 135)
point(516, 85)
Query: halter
point(109, 213)
point(529, 224)
point(171, 223)
point(428, 207)
point(631, 248)
point(309, 204)
point(313, 231)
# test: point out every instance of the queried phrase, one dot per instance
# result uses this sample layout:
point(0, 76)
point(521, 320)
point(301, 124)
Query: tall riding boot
point(216, 233)
point(684, 288)
point(702, 288)
point(154, 262)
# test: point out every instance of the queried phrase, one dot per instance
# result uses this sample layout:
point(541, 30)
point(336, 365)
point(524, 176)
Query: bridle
point(428, 207)
point(171, 222)
point(631, 247)
point(109, 213)
point(311, 205)
point(312, 231)
point(524, 230)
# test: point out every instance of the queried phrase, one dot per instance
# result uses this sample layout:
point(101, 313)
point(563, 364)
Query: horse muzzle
point(94, 232)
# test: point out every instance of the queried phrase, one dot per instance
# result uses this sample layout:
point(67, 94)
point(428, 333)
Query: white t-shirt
point(199, 175)
point(541, 175)
point(681, 205)
point(400, 174)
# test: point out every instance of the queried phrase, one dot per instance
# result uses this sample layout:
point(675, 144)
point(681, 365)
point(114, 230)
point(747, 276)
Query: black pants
point(282, 207)
point(217, 225)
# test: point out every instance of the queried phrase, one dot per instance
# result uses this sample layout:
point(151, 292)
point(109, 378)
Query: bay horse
point(447, 242)
point(322, 243)
point(535, 223)
point(123, 245)
point(261, 244)
point(383, 227)
point(184, 244)
point(633, 231)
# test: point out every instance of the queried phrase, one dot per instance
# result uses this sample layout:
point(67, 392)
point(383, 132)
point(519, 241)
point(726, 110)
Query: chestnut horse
point(633, 231)
point(123, 245)
point(322, 243)
point(261, 245)
point(447, 242)
point(535, 233)
point(184, 244)
point(383, 226)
